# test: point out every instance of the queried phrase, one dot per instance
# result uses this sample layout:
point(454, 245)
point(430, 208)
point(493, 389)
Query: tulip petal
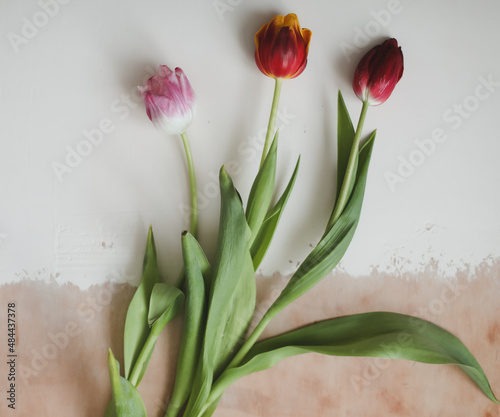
point(170, 100)
point(281, 47)
point(378, 72)
point(306, 35)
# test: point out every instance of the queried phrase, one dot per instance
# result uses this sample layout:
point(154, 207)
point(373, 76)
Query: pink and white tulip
point(170, 101)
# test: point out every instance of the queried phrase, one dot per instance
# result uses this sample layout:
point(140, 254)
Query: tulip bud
point(170, 100)
point(378, 72)
point(281, 47)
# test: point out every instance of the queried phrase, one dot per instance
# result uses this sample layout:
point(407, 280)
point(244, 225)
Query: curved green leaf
point(262, 190)
point(378, 334)
point(126, 400)
point(210, 409)
point(136, 323)
point(323, 258)
point(266, 231)
point(345, 138)
point(332, 247)
point(166, 303)
point(232, 294)
point(197, 267)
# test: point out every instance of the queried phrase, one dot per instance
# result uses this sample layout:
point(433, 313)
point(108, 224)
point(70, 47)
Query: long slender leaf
point(232, 294)
point(201, 260)
point(166, 303)
point(210, 409)
point(266, 232)
point(262, 190)
point(345, 138)
point(136, 323)
point(330, 250)
point(378, 334)
point(197, 267)
point(126, 400)
point(323, 258)
point(232, 297)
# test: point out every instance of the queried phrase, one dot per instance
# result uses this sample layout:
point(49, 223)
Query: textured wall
point(64, 334)
point(83, 173)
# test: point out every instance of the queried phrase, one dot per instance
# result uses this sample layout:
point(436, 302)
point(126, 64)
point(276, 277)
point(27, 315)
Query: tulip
point(170, 100)
point(375, 77)
point(378, 72)
point(281, 47)
point(170, 104)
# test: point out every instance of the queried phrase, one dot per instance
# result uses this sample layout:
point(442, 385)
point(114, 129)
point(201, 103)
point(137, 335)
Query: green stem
point(217, 390)
point(192, 186)
point(272, 119)
point(173, 410)
point(264, 321)
point(350, 174)
point(135, 375)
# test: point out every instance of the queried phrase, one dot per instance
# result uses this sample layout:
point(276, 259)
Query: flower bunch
point(218, 296)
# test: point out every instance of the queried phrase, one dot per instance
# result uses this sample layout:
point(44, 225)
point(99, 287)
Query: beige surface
point(72, 379)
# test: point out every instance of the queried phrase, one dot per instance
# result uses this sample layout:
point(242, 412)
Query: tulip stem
point(272, 119)
point(193, 229)
point(350, 174)
point(142, 360)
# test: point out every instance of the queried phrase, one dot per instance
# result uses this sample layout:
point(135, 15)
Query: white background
point(66, 68)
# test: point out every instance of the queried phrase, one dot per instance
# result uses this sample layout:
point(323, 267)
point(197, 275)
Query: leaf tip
point(224, 178)
point(151, 236)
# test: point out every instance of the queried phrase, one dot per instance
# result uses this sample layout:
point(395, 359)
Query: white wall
point(68, 69)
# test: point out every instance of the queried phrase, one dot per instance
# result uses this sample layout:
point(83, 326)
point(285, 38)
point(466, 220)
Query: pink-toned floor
point(64, 334)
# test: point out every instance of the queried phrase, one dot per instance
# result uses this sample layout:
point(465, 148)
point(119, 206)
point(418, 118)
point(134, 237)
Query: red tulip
point(378, 72)
point(281, 47)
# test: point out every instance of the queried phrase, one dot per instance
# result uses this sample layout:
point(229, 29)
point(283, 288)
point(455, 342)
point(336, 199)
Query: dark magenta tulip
point(378, 72)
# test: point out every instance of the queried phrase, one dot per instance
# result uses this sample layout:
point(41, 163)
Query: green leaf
point(136, 323)
point(266, 232)
point(126, 400)
point(166, 303)
point(323, 258)
point(231, 298)
point(210, 409)
point(378, 334)
point(196, 267)
point(345, 138)
point(330, 250)
point(262, 190)
point(201, 260)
